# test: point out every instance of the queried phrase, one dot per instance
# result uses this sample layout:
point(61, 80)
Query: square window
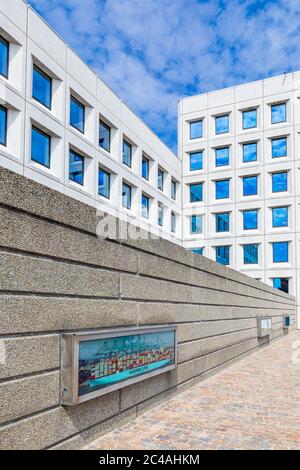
point(223, 255)
point(173, 222)
point(250, 219)
point(104, 136)
point(222, 156)
point(40, 147)
point(280, 216)
point(77, 114)
point(145, 206)
point(145, 168)
point(196, 224)
point(251, 254)
point(160, 179)
point(196, 161)
point(250, 119)
point(160, 215)
point(280, 252)
point(3, 125)
point(76, 168)
point(41, 87)
point(278, 112)
point(198, 251)
point(281, 283)
point(196, 192)
point(127, 154)
point(222, 124)
point(4, 57)
point(126, 196)
point(279, 182)
point(196, 129)
point(250, 152)
point(250, 186)
point(222, 222)
point(279, 147)
point(222, 189)
point(104, 183)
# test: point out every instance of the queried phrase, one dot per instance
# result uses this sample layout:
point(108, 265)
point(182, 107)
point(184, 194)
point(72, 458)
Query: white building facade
point(63, 127)
point(240, 150)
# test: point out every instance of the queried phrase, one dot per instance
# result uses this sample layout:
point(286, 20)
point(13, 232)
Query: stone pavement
point(253, 404)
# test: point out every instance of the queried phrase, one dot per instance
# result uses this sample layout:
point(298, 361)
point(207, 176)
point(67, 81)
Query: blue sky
point(152, 52)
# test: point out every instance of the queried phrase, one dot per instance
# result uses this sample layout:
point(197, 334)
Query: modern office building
point(240, 150)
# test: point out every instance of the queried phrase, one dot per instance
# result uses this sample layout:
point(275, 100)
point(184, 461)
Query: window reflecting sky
point(279, 147)
point(278, 112)
point(249, 119)
point(250, 152)
point(222, 156)
point(222, 124)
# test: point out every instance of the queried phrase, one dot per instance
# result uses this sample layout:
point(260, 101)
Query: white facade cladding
point(33, 119)
point(240, 152)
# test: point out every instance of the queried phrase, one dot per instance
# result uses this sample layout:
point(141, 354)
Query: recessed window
point(222, 124)
point(250, 152)
point(279, 147)
point(198, 251)
point(196, 161)
point(76, 168)
point(3, 125)
point(196, 129)
point(222, 189)
point(104, 183)
point(196, 224)
point(145, 168)
point(126, 196)
point(77, 114)
point(278, 112)
point(249, 119)
point(279, 182)
point(251, 253)
point(222, 222)
point(127, 153)
point(250, 186)
point(280, 252)
point(41, 87)
point(250, 219)
point(4, 57)
point(222, 156)
point(173, 189)
point(173, 222)
point(160, 215)
point(145, 206)
point(40, 147)
point(196, 192)
point(104, 135)
point(280, 216)
point(160, 179)
point(281, 283)
point(223, 255)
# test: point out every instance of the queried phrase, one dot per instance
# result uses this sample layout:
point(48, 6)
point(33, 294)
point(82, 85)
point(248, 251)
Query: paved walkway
point(254, 404)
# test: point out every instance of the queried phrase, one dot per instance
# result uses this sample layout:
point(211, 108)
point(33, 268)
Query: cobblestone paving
point(253, 404)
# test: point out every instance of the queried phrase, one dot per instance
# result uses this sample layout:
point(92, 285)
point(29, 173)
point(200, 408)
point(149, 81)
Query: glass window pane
point(281, 283)
point(280, 216)
point(126, 196)
point(250, 219)
point(196, 161)
point(251, 254)
point(222, 222)
point(222, 156)
point(196, 192)
point(250, 185)
point(279, 182)
point(104, 136)
point(41, 87)
point(196, 130)
point(4, 55)
point(77, 114)
point(250, 152)
point(278, 112)
point(40, 147)
point(160, 215)
point(3, 125)
point(196, 224)
point(173, 222)
point(279, 147)
point(223, 254)
point(104, 183)
point(222, 189)
point(280, 252)
point(198, 251)
point(76, 167)
point(222, 124)
point(145, 168)
point(145, 206)
point(249, 119)
point(127, 154)
point(173, 189)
